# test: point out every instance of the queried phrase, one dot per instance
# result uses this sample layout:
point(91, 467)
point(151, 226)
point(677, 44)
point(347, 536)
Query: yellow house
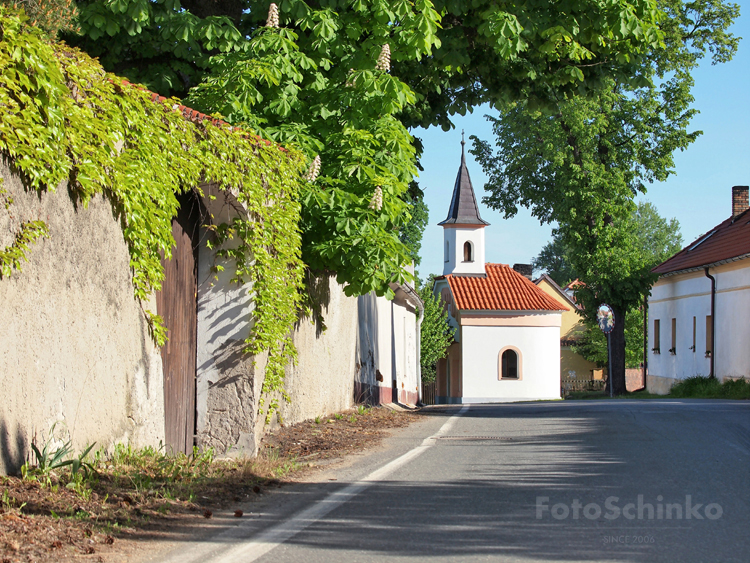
point(573, 367)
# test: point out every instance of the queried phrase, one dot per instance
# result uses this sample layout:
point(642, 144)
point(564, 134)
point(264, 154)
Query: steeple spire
point(463, 209)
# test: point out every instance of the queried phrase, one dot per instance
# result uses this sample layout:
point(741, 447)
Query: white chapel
point(507, 331)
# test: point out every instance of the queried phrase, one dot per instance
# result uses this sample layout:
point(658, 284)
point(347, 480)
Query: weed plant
point(702, 387)
point(149, 474)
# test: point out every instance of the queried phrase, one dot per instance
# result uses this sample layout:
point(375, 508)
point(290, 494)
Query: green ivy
point(28, 233)
point(63, 118)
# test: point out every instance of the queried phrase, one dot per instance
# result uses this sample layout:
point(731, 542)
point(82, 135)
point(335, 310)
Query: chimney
point(527, 270)
point(740, 201)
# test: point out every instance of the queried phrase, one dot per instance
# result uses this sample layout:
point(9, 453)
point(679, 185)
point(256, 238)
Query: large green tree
point(411, 233)
point(454, 54)
point(655, 239)
point(355, 202)
point(553, 260)
point(323, 82)
point(581, 164)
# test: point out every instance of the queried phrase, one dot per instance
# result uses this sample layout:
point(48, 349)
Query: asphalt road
point(619, 480)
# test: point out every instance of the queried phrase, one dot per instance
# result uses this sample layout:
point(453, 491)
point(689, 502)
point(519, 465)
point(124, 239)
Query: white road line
point(275, 536)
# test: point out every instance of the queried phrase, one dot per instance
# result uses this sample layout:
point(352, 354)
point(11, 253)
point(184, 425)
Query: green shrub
point(702, 387)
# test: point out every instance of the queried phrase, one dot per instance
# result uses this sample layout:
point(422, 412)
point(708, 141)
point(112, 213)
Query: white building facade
point(698, 307)
point(388, 347)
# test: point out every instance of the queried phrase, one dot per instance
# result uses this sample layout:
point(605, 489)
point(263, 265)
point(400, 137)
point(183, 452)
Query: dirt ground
point(43, 520)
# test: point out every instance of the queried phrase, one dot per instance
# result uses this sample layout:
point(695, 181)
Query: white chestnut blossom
point(384, 60)
point(273, 16)
point(349, 79)
point(314, 170)
point(376, 203)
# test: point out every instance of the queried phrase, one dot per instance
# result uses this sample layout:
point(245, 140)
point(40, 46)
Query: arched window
point(468, 252)
point(447, 250)
point(509, 364)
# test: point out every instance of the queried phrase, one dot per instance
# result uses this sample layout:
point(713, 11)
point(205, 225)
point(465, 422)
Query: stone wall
point(633, 379)
point(322, 382)
point(75, 349)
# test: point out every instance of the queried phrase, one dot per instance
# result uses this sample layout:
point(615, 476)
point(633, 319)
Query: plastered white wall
point(405, 347)
point(322, 382)
point(455, 237)
point(437, 290)
point(74, 344)
point(540, 363)
point(685, 296)
point(387, 343)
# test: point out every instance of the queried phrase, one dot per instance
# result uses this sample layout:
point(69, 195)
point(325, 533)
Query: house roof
point(463, 209)
point(502, 289)
point(726, 242)
point(545, 277)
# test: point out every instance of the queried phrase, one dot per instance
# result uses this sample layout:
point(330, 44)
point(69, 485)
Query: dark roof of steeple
point(463, 209)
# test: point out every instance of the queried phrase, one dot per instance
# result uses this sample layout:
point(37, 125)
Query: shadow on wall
point(13, 449)
point(368, 375)
point(318, 292)
point(227, 357)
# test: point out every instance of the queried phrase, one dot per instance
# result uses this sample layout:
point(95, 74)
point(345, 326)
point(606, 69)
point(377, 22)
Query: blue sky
point(698, 194)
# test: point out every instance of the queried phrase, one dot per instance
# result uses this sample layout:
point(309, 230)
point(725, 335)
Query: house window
point(673, 349)
point(657, 337)
point(693, 346)
point(709, 335)
point(509, 364)
point(468, 252)
point(447, 250)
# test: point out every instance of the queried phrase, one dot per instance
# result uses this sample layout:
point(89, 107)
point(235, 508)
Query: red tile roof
point(503, 289)
point(727, 241)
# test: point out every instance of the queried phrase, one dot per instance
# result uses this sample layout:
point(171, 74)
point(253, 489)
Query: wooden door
point(177, 303)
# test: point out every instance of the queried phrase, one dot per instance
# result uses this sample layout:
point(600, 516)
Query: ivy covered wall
point(71, 132)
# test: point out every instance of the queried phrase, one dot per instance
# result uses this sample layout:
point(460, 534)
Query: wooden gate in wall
point(177, 303)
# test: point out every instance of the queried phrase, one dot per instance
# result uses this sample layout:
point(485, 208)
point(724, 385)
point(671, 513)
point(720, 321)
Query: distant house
point(570, 289)
point(573, 366)
point(387, 356)
point(697, 309)
point(507, 330)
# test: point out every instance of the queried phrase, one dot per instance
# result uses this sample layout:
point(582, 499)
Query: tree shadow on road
point(477, 493)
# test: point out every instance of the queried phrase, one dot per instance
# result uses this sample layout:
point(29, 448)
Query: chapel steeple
point(463, 209)
point(463, 229)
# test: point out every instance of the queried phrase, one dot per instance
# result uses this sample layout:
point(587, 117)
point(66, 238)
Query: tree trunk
point(617, 353)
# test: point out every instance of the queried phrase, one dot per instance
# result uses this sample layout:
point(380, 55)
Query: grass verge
point(698, 387)
point(67, 507)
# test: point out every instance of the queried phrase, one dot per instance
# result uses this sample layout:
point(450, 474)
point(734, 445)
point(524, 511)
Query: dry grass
point(58, 515)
